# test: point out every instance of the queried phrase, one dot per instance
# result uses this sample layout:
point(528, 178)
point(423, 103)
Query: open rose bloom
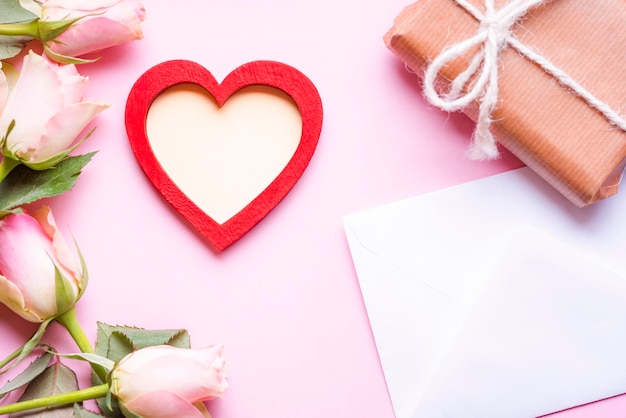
point(168, 382)
point(103, 24)
point(43, 114)
point(31, 252)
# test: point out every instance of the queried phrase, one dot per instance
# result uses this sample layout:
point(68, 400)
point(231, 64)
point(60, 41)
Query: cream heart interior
point(222, 158)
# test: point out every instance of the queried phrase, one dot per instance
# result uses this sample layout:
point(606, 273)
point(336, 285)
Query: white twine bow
point(493, 35)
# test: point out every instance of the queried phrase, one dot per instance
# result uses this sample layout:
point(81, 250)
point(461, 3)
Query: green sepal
point(110, 407)
point(64, 59)
point(7, 165)
point(4, 213)
point(24, 185)
point(20, 354)
point(54, 160)
point(48, 30)
point(202, 408)
point(115, 346)
point(28, 375)
point(4, 138)
point(127, 413)
point(85, 272)
point(65, 296)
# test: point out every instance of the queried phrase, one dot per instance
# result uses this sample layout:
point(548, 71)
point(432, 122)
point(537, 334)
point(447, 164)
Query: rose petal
point(73, 83)
point(172, 373)
point(4, 91)
point(11, 296)
point(82, 5)
point(97, 33)
point(139, 9)
point(190, 373)
point(39, 80)
point(25, 260)
point(162, 404)
point(62, 255)
point(62, 130)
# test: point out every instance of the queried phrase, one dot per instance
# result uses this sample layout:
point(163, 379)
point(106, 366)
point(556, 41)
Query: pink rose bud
point(32, 253)
point(169, 382)
point(103, 24)
point(43, 114)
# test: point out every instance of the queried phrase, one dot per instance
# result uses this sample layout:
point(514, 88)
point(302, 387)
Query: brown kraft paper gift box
point(546, 125)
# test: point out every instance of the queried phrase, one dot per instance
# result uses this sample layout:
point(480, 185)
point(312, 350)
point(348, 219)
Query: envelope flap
point(394, 298)
point(409, 236)
point(449, 235)
point(544, 335)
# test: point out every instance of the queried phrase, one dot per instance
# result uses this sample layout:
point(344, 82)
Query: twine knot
point(479, 81)
point(497, 26)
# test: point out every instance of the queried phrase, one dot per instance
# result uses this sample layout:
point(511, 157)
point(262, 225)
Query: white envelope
point(422, 264)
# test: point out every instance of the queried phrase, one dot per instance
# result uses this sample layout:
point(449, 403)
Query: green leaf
point(120, 345)
point(56, 379)
point(180, 340)
point(142, 338)
point(20, 354)
point(109, 346)
point(104, 362)
point(80, 412)
point(24, 185)
point(11, 46)
point(115, 342)
point(32, 6)
point(13, 12)
point(31, 372)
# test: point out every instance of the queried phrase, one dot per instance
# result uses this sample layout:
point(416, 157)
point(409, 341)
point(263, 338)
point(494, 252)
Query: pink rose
point(31, 251)
point(168, 382)
point(4, 85)
point(47, 111)
point(103, 24)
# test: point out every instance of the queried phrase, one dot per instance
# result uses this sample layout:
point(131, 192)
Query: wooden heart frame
point(266, 73)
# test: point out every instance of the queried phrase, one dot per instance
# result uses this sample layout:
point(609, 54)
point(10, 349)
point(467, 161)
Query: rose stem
point(70, 322)
point(93, 392)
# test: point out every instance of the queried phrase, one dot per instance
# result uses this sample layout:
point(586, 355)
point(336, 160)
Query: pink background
point(284, 300)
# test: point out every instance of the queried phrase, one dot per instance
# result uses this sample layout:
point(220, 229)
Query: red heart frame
point(267, 73)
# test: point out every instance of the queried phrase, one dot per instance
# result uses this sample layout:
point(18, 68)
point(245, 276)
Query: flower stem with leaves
point(69, 320)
